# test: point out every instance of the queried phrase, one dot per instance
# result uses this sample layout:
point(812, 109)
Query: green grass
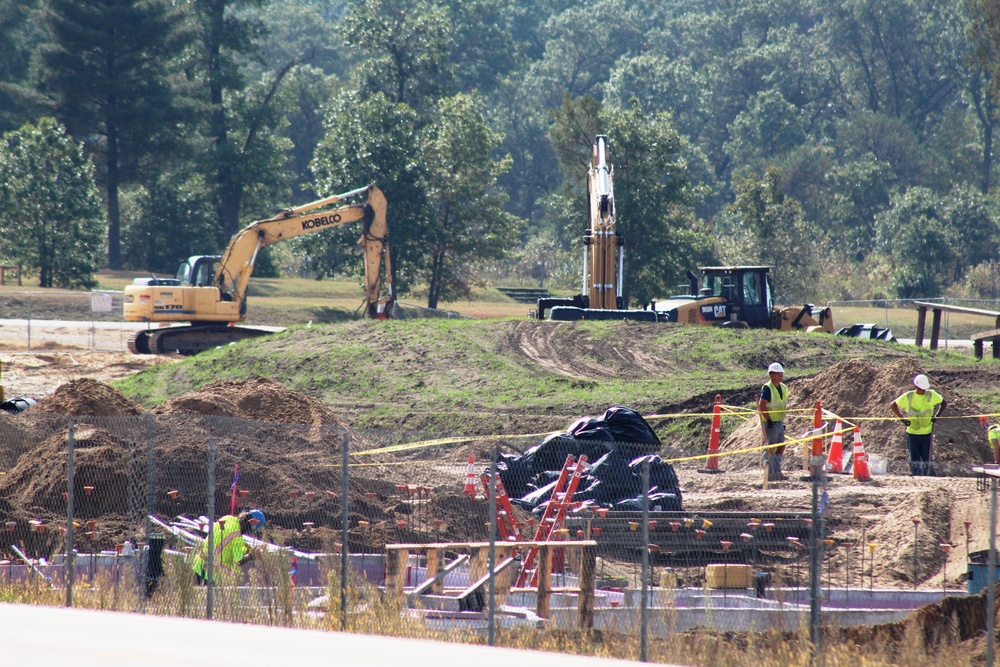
point(466, 376)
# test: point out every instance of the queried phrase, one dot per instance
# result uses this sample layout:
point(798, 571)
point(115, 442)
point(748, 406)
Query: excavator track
point(190, 339)
point(138, 343)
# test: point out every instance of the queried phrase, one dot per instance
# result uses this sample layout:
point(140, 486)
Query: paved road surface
point(46, 636)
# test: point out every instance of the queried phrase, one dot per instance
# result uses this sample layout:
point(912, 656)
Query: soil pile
point(87, 397)
point(286, 446)
point(861, 392)
point(259, 399)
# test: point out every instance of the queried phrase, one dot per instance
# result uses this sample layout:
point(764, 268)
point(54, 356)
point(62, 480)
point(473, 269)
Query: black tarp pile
point(616, 444)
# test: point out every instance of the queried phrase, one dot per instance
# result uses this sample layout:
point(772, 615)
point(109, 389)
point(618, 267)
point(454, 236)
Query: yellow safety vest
point(776, 406)
point(993, 435)
point(228, 544)
point(919, 410)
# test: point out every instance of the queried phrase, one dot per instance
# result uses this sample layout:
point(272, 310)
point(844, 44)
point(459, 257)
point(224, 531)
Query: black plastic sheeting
point(616, 444)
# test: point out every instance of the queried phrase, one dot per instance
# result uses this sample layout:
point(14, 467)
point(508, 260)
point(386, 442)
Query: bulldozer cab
point(747, 290)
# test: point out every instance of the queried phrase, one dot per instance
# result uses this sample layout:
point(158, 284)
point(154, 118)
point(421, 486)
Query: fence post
point(643, 616)
point(344, 478)
point(815, 567)
point(150, 490)
point(70, 471)
point(491, 613)
point(210, 556)
point(991, 570)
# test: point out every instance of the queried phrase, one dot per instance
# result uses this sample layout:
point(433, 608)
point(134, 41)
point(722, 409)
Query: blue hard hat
point(257, 520)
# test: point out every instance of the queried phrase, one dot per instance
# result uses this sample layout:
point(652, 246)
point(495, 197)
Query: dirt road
point(38, 374)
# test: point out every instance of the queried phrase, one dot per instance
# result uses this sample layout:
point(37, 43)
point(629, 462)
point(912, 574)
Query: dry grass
point(270, 599)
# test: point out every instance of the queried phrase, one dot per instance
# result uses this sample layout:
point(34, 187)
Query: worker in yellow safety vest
point(919, 409)
point(771, 410)
point(993, 435)
point(230, 549)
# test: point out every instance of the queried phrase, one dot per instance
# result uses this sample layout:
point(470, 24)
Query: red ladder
point(555, 512)
point(510, 531)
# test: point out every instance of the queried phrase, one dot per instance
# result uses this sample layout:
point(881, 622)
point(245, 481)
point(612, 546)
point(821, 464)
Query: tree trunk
point(114, 212)
point(987, 155)
point(437, 271)
point(228, 200)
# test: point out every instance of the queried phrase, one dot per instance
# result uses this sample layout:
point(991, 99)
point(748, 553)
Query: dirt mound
point(102, 462)
point(259, 399)
point(87, 397)
point(861, 392)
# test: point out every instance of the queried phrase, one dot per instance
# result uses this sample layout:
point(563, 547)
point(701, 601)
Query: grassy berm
point(475, 377)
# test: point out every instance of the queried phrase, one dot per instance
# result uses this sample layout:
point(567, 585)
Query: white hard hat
point(775, 368)
point(921, 382)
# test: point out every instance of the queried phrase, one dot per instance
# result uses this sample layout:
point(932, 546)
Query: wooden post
point(395, 571)
point(433, 565)
point(936, 328)
point(479, 563)
point(921, 320)
point(977, 347)
point(544, 573)
point(588, 581)
point(505, 579)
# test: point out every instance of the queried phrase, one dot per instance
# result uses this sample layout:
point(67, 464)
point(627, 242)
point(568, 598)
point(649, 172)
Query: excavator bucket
point(868, 332)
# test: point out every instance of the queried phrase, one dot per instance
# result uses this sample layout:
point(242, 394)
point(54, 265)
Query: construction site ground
point(855, 380)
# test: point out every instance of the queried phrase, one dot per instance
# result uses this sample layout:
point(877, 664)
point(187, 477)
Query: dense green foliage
point(848, 143)
point(50, 215)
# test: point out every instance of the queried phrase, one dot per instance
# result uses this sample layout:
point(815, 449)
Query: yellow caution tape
point(730, 411)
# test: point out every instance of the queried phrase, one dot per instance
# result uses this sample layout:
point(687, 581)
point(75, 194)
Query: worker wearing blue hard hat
point(228, 544)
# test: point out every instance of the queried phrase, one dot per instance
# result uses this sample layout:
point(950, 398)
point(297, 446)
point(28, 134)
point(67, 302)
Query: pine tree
point(107, 71)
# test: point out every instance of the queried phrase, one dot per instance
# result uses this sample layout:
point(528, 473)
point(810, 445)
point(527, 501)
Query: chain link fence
point(36, 321)
point(396, 533)
point(900, 316)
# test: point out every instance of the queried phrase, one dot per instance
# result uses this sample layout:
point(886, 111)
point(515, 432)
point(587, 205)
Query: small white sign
point(100, 303)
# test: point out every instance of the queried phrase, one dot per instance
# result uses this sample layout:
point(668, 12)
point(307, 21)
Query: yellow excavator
point(603, 255)
point(739, 297)
point(209, 292)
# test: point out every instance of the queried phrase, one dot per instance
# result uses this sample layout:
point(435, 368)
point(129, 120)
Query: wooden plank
point(435, 583)
point(956, 309)
point(992, 334)
point(473, 598)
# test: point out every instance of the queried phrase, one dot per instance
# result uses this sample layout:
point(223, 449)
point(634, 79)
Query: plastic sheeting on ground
point(616, 445)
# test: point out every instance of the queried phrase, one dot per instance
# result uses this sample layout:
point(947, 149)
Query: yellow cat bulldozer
point(739, 297)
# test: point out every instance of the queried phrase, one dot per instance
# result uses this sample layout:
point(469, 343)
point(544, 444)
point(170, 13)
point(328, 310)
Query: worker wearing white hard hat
point(771, 405)
point(919, 409)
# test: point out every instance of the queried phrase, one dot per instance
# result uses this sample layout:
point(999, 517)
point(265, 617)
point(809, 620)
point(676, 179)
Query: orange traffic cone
point(860, 458)
point(470, 479)
point(835, 460)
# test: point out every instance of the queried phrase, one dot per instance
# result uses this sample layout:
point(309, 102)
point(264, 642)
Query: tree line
point(849, 143)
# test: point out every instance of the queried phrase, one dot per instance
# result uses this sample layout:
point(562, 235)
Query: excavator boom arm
point(236, 266)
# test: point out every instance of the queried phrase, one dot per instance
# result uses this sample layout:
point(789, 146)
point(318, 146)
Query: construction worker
point(227, 537)
point(918, 409)
point(771, 410)
point(993, 435)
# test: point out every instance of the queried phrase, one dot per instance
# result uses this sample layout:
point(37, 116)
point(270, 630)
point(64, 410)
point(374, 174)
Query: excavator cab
point(198, 271)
